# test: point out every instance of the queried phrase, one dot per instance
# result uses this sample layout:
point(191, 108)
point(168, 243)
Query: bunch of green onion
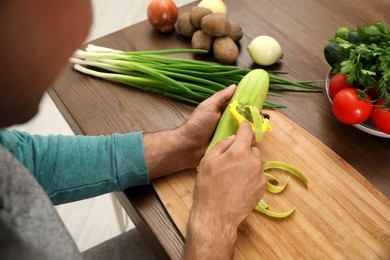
point(191, 81)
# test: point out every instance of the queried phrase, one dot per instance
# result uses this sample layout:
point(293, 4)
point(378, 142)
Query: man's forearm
point(169, 151)
point(72, 168)
point(214, 241)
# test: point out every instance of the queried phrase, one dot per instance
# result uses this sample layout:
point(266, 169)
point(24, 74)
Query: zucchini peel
point(286, 167)
point(262, 206)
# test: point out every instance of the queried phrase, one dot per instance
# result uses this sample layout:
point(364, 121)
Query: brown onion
point(162, 14)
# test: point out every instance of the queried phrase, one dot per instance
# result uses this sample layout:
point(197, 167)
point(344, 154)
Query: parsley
point(365, 56)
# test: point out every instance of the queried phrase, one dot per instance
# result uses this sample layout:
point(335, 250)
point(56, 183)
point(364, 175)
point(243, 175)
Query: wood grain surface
point(339, 215)
point(94, 107)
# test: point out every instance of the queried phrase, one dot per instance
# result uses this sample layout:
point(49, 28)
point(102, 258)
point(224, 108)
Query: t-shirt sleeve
point(71, 168)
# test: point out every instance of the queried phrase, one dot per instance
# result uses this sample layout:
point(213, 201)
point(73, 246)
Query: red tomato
point(349, 108)
point(337, 83)
point(381, 117)
point(373, 93)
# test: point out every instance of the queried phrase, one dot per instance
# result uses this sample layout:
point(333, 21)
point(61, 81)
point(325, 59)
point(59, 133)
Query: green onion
point(190, 81)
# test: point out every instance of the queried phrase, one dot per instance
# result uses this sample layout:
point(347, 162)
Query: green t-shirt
point(71, 168)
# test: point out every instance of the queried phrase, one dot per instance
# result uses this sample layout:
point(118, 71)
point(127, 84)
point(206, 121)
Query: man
point(38, 37)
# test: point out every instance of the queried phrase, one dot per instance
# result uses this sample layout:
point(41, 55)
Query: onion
point(162, 14)
point(265, 50)
point(216, 6)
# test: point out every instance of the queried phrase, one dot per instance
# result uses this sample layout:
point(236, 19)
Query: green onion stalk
point(190, 81)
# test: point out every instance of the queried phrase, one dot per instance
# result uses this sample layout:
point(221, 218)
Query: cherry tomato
point(350, 108)
point(337, 83)
point(381, 117)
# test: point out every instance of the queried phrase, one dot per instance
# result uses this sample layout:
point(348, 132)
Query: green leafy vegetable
point(364, 55)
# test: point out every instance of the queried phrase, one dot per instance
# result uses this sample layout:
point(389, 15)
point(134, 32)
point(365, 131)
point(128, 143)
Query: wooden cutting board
point(339, 215)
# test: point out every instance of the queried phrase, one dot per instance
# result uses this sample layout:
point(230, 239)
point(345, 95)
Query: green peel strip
point(262, 206)
point(257, 122)
point(276, 188)
point(286, 167)
point(270, 176)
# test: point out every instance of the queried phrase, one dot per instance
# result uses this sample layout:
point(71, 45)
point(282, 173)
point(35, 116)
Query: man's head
point(38, 37)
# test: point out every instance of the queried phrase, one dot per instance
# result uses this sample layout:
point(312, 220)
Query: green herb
point(365, 56)
point(191, 81)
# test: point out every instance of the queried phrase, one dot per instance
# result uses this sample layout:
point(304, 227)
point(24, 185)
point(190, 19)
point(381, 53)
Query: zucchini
point(250, 93)
point(246, 103)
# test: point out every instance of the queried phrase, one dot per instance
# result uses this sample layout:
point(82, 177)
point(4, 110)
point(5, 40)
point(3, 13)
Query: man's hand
point(230, 183)
point(199, 128)
point(174, 150)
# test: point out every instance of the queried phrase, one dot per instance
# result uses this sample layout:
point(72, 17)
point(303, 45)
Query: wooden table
point(95, 107)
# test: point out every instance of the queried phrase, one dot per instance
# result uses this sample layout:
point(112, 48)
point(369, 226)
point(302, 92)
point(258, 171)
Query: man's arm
point(175, 150)
point(71, 168)
point(230, 183)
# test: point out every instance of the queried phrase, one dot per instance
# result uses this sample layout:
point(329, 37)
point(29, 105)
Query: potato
point(235, 31)
point(197, 13)
point(215, 24)
point(184, 25)
point(225, 50)
point(201, 40)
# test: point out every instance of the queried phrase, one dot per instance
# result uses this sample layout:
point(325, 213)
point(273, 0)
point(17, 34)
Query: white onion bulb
point(216, 6)
point(265, 50)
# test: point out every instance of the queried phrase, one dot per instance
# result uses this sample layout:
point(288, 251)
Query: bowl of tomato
point(353, 107)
